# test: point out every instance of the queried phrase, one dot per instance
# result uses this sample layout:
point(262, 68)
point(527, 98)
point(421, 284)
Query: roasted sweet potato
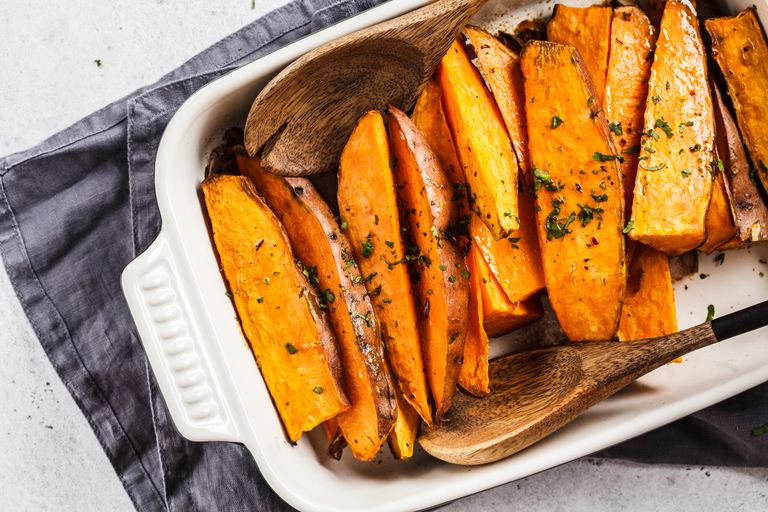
point(482, 144)
point(402, 438)
point(326, 256)
point(674, 180)
point(649, 304)
point(430, 216)
point(368, 210)
point(588, 29)
point(515, 261)
point(579, 197)
point(749, 210)
point(429, 118)
point(633, 40)
point(281, 317)
point(473, 377)
point(739, 47)
point(500, 67)
point(720, 224)
point(500, 315)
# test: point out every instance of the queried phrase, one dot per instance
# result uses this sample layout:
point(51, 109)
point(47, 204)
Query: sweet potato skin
point(749, 210)
point(500, 67)
point(588, 29)
point(482, 143)
point(674, 183)
point(649, 304)
point(368, 210)
point(579, 198)
point(633, 38)
point(279, 312)
point(320, 245)
point(429, 214)
point(741, 51)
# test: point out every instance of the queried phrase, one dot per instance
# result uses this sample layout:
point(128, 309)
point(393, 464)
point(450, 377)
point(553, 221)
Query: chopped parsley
point(653, 168)
point(686, 172)
point(632, 150)
point(720, 258)
point(318, 390)
point(660, 123)
point(290, 348)
point(710, 313)
point(514, 242)
point(599, 157)
point(601, 198)
point(616, 128)
point(630, 226)
point(556, 121)
point(543, 178)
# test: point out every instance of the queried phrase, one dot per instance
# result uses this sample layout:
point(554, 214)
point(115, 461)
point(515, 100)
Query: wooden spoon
point(304, 116)
point(535, 392)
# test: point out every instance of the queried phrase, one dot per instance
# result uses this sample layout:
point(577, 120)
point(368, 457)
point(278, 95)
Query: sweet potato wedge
point(402, 438)
point(500, 68)
point(741, 51)
point(336, 441)
point(588, 29)
point(326, 256)
point(368, 210)
point(720, 224)
point(473, 377)
point(281, 317)
point(482, 144)
point(579, 197)
point(649, 304)
point(500, 315)
point(515, 261)
point(749, 210)
point(430, 216)
point(633, 40)
point(673, 187)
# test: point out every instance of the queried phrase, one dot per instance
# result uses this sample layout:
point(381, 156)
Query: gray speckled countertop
point(49, 457)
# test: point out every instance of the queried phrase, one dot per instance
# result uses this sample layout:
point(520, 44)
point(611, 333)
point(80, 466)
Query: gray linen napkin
point(77, 208)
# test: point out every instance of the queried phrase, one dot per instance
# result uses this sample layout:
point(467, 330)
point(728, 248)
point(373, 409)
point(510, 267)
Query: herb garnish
point(556, 121)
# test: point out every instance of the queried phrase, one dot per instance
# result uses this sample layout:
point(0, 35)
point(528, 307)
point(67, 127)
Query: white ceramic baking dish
point(212, 385)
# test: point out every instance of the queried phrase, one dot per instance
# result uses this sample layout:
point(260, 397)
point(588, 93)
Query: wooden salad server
point(303, 117)
point(535, 392)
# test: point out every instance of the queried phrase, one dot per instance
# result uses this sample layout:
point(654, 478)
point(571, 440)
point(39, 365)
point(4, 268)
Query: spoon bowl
point(302, 118)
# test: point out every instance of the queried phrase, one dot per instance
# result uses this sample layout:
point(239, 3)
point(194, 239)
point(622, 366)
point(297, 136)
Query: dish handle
point(171, 334)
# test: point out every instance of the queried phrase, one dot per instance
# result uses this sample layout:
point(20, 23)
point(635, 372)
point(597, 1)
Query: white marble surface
point(49, 457)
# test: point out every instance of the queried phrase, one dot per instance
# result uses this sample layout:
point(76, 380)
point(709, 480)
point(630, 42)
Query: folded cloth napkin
point(76, 209)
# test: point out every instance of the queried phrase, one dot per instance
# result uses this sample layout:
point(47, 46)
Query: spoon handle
point(740, 322)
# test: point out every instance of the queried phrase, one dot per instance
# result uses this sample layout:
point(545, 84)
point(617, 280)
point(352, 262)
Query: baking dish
point(213, 388)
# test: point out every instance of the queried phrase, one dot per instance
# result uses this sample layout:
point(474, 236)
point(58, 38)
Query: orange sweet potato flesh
point(430, 217)
point(482, 143)
point(749, 210)
point(501, 69)
point(579, 197)
point(473, 377)
point(279, 312)
point(588, 29)
point(740, 49)
point(720, 224)
point(633, 38)
point(368, 210)
point(649, 304)
point(674, 181)
point(500, 315)
point(325, 252)
point(515, 261)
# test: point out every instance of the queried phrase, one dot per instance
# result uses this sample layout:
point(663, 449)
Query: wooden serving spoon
point(535, 392)
point(304, 116)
